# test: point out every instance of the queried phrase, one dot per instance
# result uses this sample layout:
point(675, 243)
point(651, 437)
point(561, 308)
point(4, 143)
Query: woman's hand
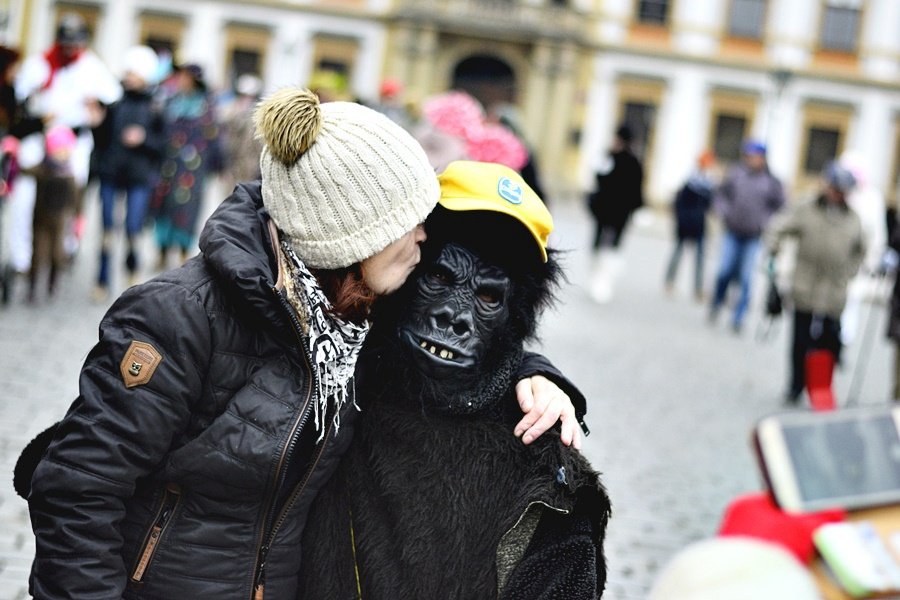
point(544, 404)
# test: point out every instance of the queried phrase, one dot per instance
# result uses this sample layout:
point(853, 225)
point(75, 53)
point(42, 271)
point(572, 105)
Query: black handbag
point(774, 303)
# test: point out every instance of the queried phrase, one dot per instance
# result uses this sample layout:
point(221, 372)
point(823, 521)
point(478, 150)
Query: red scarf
point(57, 59)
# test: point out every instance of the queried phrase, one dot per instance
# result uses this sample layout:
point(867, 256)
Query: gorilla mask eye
point(440, 275)
point(489, 295)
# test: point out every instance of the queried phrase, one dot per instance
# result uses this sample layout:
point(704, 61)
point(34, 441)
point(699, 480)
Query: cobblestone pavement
point(671, 399)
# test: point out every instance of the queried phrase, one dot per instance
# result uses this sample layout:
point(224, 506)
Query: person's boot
point(162, 263)
point(131, 265)
point(51, 283)
point(32, 287)
point(7, 279)
point(101, 290)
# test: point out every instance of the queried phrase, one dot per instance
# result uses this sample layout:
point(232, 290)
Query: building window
point(747, 18)
point(732, 114)
point(334, 59)
point(163, 33)
point(821, 148)
point(729, 133)
point(840, 26)
point(824, 128)
point(638, 104)
point(639, 116)
point(245, 50)
point(653, 12)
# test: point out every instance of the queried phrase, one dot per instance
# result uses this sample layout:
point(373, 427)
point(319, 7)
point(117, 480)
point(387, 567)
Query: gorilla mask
point(455, 332)
point(460, 301)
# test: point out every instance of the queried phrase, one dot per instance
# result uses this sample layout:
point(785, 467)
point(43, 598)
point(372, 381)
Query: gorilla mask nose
point(453, 321)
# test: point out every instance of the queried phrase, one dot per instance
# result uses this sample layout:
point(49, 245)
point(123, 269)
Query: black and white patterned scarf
point(333, 343)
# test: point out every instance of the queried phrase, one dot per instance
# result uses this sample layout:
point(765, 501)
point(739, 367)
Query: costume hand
point(544, 404)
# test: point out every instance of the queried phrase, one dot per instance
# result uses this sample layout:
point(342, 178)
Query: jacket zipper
point(170, 501)
point(267, 533)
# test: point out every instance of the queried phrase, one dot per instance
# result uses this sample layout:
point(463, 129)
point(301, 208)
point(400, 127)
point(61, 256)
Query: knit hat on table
point(341, 181)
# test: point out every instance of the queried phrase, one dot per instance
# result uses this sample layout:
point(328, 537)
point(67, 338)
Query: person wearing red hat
point(692, 202)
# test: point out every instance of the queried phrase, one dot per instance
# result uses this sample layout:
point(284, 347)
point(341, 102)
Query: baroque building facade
point(811, 78)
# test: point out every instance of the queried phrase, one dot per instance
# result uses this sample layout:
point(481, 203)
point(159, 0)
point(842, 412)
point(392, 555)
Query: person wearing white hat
point(221, 394)
point(128, 149)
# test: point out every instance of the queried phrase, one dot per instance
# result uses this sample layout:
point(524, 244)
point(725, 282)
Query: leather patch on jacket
point(139, 363)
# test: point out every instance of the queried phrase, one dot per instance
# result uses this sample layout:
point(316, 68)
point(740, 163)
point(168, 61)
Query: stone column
point(536, 101)
point(204, 41)
point(116, 32)
point(681, 127)
point(873, 137)
point(421, 54)
point(558, 117)
point(290, 61)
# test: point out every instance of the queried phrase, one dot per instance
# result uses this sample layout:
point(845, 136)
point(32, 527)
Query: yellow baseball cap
point(470, 185)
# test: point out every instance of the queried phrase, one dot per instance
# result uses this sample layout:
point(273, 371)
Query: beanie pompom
point(288, 122)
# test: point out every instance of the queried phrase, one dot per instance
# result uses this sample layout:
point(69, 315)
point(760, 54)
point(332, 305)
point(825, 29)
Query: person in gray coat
point(831, 246)
point(745, 201)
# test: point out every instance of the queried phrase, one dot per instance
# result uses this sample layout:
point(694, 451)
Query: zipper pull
point(584, 427)
point(260, 582)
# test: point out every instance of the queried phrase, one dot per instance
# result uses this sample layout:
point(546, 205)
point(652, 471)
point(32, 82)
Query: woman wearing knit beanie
point(220, 395)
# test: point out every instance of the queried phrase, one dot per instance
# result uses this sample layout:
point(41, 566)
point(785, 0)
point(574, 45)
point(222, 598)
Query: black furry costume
point(431, 505)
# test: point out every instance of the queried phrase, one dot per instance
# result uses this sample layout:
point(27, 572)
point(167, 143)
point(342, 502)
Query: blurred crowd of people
point(838, 238)
point(149, 137)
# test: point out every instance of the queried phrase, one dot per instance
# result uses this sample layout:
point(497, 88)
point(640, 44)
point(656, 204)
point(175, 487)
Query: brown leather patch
point(139, 363)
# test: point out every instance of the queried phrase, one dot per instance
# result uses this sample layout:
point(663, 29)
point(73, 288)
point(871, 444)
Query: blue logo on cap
point(510, 191)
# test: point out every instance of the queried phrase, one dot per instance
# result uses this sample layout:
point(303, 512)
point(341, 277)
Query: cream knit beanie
point(341, 181)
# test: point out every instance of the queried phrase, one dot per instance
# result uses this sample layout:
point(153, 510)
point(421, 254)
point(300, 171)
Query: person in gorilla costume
point(434, 498)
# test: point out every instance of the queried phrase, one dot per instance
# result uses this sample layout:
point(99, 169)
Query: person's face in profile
point(386, 271)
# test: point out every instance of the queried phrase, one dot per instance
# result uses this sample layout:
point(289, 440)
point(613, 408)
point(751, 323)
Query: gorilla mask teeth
point(423, 344)
point(433, 349)
point(449, 355)
point(444, 353)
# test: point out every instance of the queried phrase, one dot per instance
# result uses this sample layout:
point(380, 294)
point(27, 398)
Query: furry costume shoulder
point(422, 506)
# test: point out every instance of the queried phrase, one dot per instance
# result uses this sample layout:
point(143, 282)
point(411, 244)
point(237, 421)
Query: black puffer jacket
point(198, 478)
point(171, 489)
